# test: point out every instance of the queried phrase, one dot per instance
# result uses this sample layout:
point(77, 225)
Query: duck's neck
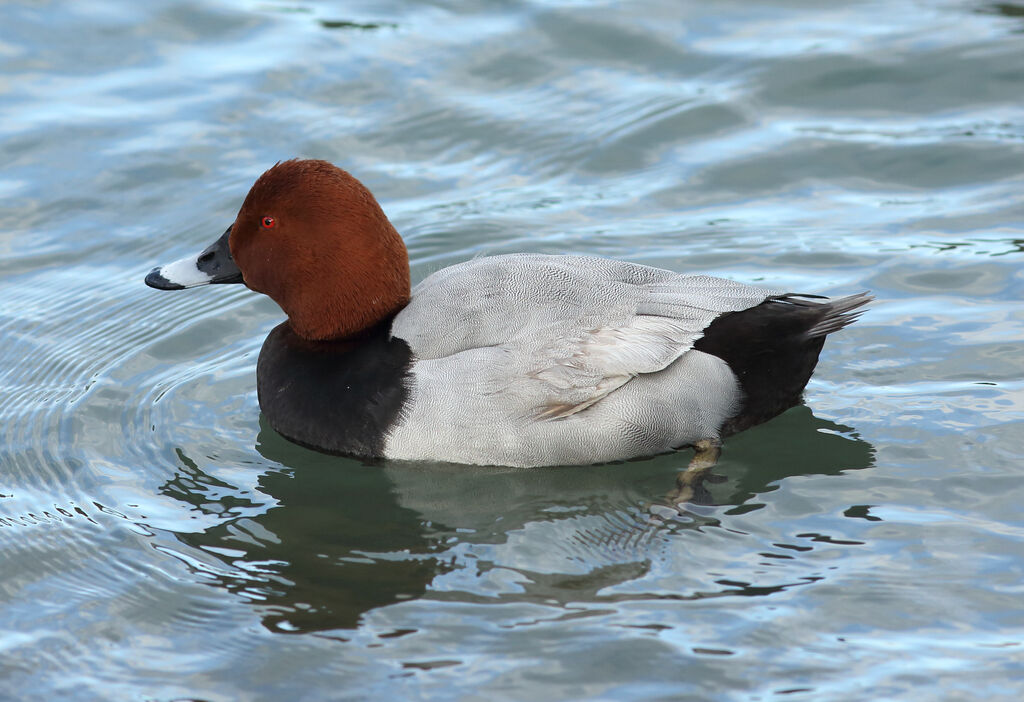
point(333, 320)
point(345, 300)
point(340, 342)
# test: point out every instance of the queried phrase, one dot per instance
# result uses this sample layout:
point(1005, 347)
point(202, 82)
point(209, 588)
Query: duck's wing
point(573, 328)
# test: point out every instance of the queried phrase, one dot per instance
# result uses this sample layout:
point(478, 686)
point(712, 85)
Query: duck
point(519, 360)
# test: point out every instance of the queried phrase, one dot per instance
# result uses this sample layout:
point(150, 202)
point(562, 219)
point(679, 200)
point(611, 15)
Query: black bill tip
point(155, 279)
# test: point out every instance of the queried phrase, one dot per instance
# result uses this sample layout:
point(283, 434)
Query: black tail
point(773, 349)
point(835, 314)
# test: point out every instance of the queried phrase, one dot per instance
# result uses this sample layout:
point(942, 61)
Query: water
point(158, 542)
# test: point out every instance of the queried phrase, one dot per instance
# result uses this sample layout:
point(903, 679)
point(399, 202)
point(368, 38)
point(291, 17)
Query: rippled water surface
point(158, 542)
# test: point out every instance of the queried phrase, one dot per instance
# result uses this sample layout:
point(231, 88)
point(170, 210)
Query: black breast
point(334, 396)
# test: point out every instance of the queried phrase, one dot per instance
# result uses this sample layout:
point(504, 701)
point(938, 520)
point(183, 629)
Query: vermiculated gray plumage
point(529, 359)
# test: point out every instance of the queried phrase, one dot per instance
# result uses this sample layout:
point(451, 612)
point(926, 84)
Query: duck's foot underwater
point(690, 482)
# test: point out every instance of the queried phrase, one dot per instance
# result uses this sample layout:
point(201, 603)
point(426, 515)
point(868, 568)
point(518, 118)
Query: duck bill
point(214, 265)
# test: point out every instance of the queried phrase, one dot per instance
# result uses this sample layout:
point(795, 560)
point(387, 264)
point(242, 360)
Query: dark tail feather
point(772, 349)
point(837, 313)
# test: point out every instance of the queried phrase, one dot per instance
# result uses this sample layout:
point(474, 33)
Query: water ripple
point(160, 542)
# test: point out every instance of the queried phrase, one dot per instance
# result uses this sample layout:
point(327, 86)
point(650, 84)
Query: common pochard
point(517, 360)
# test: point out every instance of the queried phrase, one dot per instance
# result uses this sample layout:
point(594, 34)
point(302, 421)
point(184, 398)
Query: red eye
point(268, 222)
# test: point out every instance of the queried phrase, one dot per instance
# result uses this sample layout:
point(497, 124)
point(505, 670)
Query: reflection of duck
point(345, 538)
point(519, 360)
point(336, 545)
